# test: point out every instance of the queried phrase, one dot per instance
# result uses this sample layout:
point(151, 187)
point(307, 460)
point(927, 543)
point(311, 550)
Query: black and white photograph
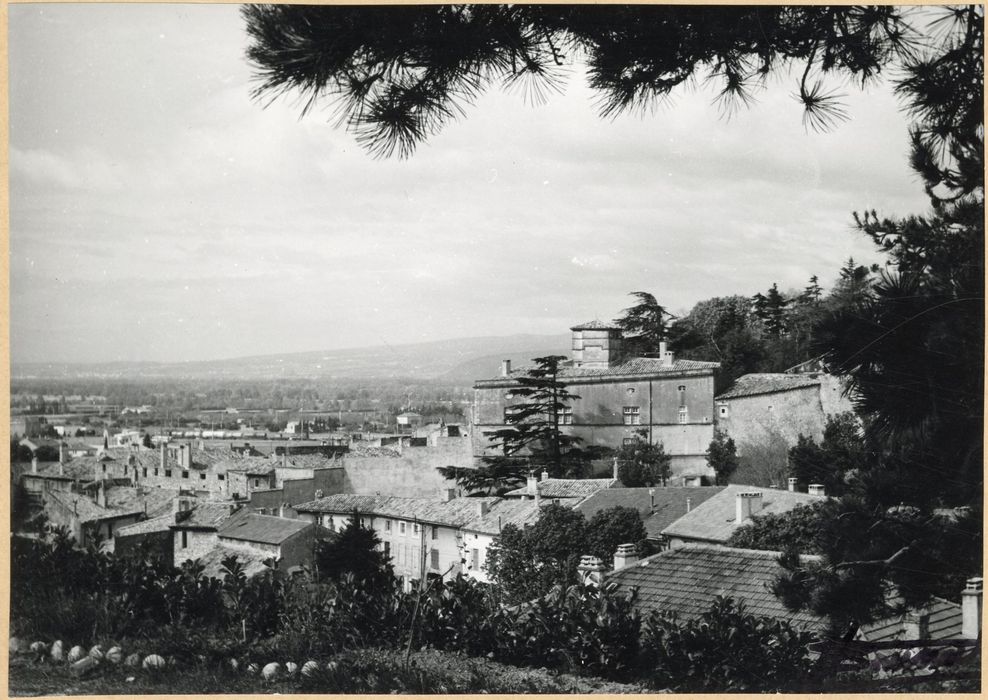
point(495, 348)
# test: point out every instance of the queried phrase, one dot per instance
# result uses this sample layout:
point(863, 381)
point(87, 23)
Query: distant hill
point(458, 361)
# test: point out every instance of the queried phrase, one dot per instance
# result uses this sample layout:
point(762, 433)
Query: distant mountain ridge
point(458, 361)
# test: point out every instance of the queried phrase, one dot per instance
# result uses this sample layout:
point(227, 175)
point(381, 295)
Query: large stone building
point(671, 400)
point(760, 408)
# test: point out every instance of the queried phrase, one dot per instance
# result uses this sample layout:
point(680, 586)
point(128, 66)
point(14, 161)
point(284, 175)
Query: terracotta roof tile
point(669, 503)
point(566, 488)
point(266, 529)
point(630, 366)
point(755, 384)
point(714, 520)
point(685, 581)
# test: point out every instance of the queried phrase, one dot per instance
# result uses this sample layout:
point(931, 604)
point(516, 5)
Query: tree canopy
point(397, 75)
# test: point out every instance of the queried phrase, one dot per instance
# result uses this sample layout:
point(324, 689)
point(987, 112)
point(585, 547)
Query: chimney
point(34, 465)
point(447, 495)
point(532, 482)
point(163, 456)
point(505, 368)
point(626, 555)
point(651, 500)
point(181, 505)
point(591, 571)
point(792, 483)
point(749, 503)
point(614, 475)
point(281, 510)
point(538, 497)
point(61, 452)
point(101, 495)
point(61, 468)
point(544, 475)
point(971, 608)
point(482, 508)
point(689, 504)
point(816, 490)
point(665, 354)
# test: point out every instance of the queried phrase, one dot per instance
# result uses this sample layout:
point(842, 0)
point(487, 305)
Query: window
point(168, 472)
point(145, 471)
point(221, 477)
point(434, 559)
point(362, 523)
point(565, 416)
point(415, 528)
point(682, 388)
point(125, 470)
point(156, 472)
point(185, 539)
point(185, 474)
point(632, 415)
point(387, 550)
point(104, 469)
point(435, 532)
point(683, 415)
point(401, 528)
point(475, 559)
point(257, 483)
point(723, 411)
point(202, 476)
point(387, 526)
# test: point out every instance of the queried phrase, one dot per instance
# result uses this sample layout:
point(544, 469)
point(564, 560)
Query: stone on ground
point(309, 668)
point(83, 666)
point(76, 653)
point(271, 671)
point(153, 661)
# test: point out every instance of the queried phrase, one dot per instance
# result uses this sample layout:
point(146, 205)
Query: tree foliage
point(526, 563)
point(722, 456)
point(642, 463)
point(797, 529)
point(534, 418)
point(354, 551)
point(840, 456)
point(397, 75)
point(643, 324)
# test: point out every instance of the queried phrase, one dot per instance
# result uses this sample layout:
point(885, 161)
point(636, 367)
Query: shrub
point(726, 649)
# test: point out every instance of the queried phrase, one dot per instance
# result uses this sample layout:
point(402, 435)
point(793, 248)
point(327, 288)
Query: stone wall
point(785, 414)
point(599, 414)
point(412, 474)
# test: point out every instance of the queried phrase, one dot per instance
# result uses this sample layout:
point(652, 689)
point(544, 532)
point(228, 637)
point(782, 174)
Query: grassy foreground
point(364, 671)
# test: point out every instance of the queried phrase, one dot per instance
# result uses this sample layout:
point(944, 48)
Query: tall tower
point(596, 345)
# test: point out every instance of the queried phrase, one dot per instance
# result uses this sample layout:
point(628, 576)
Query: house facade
point(671, 400)
point(438, 537)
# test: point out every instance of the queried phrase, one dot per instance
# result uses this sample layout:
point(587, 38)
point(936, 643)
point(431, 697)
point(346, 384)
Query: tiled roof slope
point(153, 501)
point(714, 520)
point(630, 366)
point(687, 580)
point(669, 503)
point(945, 622)
point(266, 529)
point(251, 559)
point(208, 516)
point(566, 488)
point(755, 384)
point(457, 513)
point(506, 512)
point(87, 509)
point(74, 469)
point(162, 523)
point(596, 325)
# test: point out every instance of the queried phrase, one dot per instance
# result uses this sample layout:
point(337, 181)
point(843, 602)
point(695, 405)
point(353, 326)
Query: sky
point(159, 213)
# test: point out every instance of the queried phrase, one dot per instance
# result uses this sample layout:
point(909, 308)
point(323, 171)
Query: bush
point(726, 649)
